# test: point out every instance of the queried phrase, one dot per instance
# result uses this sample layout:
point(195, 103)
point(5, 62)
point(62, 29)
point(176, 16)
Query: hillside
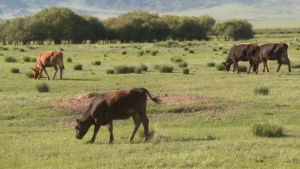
point(219, 9)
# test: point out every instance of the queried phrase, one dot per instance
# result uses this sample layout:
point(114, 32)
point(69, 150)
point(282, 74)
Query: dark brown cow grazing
point(116, 105)
point(274, 51)
point(243, 52)
point(48, 59)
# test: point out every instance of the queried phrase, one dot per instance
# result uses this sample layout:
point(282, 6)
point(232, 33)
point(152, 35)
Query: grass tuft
point(42, 87)
point(242, 68)
point(220, 67)
point(10, 59)
point(267, 130)
point(123, 69)
point(110, 71)
point(29, 74)
point(165, 69)
point(176, 59)
point(185, 71)
point(97, 63)
point(183, 64)
point(261, 90)
point(15, 70)
point(77, 67)
point(211, 64)
point(69, 60)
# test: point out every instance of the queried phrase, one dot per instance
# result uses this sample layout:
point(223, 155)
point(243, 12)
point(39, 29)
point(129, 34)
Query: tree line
point(60, 24)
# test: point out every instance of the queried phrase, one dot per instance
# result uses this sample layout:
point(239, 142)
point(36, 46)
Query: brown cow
point(48, 59)
point(116, 105)
point(274, 51)
point(243, 52)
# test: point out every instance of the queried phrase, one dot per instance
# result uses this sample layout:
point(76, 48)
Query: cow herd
point(123, 104)
point(256, 54)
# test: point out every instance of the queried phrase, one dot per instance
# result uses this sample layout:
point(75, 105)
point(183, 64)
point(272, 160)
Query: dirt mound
point(80, 103)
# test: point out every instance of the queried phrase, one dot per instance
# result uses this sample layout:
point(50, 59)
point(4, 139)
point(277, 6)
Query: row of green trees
point(62, 24)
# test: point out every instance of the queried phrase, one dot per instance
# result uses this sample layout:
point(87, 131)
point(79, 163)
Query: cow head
point(35, 73)
point(81, 128)
point(226, 65)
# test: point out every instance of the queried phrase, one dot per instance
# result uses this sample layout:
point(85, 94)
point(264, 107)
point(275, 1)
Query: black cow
point(243, 52)
point(274, 51)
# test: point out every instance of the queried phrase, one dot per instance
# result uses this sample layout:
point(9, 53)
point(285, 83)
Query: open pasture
point(213, 132)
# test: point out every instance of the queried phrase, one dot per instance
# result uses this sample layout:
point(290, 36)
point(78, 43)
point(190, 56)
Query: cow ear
point(32, 69)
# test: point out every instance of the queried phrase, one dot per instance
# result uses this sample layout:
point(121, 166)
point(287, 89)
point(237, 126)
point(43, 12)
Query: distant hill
point(219, 9)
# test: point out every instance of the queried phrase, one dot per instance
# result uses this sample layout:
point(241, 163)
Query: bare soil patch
point(79, 103)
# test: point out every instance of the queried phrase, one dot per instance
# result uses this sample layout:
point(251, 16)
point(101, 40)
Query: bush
point(98, 63)
point(214, 49)
point(267, 130)
point(10, 59)
point(242, 68)
point(176, 59)
point(42, 87)
point(220, 48)
point(144, 67)
point(27, 59)
point(123, 69)
point(140, 53)
point(225, 52)
point(14, 70)
point(261, 90)
point(147, 51)
point(156, 67)
point(124, 52)
point(186, 49)
point(295, 66)
point(153, 53)
point(33, 59)
point(211, 64)
point(105, 55)
point(220, 67)
point(61, 49)
point(5, 48)
point(110, 71)
point(165, 69)
point(22, 50)
point(186, 71)
point(69, 60)
point(137, 70)
point(183, 64)
point(29, 74)
point(191, 51)
point(78, 67)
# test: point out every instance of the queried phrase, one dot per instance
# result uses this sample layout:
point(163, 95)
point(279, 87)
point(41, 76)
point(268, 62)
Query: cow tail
point(155, 100)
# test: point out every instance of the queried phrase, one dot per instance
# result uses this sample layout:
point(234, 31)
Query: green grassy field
point(217, 134)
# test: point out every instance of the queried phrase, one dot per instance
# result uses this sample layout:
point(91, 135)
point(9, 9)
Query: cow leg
point(145, 122)
point(96, 129)
point(279, 65)
point(267, 67)
point(250, 66)
point(55, 71)
point(137, 122)
point(237, 67)
point(110, 129)
point(46, 73)
point(288, 62)
point(40, 73)
point(60, 71)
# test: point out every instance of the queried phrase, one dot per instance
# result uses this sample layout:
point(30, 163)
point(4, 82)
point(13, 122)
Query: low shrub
point(14, 70)
point(183, 64)
point(137, 70)
point(61, 49)
point(165, 69)
point(220, 67)
point(214, 49)
point(147, 51)
point(5, 48)
point(220, 48)
point(191, 51)
point(105, 55)
point(123, 69)
point(33, 59)
point(156, 67)
point(261, 90)
point(110, 71)
point(140, 53)
point(144, 67)
point(97, 63)
point(153, 53)
point(242, 68)
point(225, 52)
point(42, 87)
point(10, 59)
point(22, 50)
point(69, 60)
point(124, 52)
point(77, 67)
point(27, 59)
point(185, 71)
point(176, 59)
point(185, 48)
point(211, 64)
point(296, 66)
point(267, 130)
point(29, 74)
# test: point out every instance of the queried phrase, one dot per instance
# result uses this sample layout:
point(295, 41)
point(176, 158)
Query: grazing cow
point(274, 51)
point(243, 52)
point(116, 105)
point(48, 59)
